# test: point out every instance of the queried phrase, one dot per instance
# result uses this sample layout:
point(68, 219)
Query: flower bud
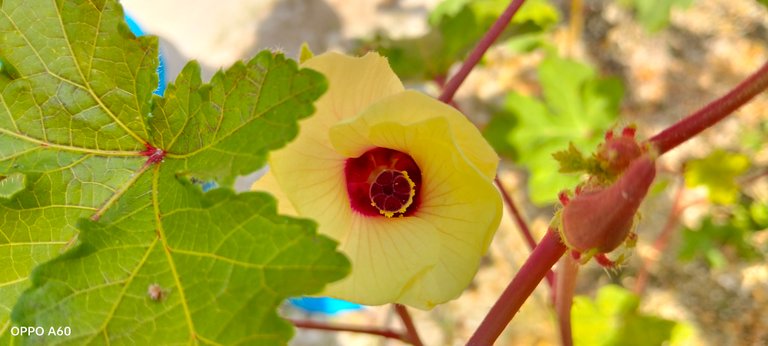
point(601, 219)
point(616, 153)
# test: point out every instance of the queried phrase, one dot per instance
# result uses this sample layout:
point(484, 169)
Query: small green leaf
point(305, 53)
point(717, 172)
point(571, 160)
point(732, 235)
point(759, 213)
point(12, 184)
point(613, 319)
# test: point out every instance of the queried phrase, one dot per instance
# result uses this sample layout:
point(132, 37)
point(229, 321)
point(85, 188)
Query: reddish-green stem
point(567, 274)
point(477, 53)
point(522, 225)
point(387, 333)
point(711, 113)
point(543, 257)
point(410, 328)
point(516, 214)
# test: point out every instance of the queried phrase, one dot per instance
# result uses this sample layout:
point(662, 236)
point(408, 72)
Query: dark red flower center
point(383, 182)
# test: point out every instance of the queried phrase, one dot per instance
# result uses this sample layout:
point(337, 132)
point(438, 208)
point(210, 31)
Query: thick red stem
point(710, 114)
point(543, 257)
point(474, 57)
point(307, 324)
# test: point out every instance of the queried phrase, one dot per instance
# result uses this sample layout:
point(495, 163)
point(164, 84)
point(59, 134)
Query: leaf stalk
point(387, 333)
point(410, 328)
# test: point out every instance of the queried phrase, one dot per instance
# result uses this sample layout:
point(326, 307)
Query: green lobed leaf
point(76, 116)
point(613, 319)
point(717, 172)
point(732, 235)
point(576, 109)
point(223, 261)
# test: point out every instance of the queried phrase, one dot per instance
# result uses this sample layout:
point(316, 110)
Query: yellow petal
point(410, 107)
point(458, 200)
point(308, 170)
point(387, 255)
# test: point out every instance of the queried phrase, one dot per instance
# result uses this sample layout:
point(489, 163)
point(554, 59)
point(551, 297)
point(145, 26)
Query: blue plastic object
point(209, 185)
point(136, 30)
point(328, 306)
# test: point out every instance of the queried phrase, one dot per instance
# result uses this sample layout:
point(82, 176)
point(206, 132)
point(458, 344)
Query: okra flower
point(402, 181)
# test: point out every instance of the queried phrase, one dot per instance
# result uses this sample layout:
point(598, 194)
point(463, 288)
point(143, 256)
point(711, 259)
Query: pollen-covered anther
point(392, 192)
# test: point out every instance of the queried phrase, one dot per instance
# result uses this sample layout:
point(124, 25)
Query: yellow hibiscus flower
point(402, 181)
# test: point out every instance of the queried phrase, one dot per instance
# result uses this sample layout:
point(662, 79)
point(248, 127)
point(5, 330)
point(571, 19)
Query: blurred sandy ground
point(219, 32)
point(707, 49)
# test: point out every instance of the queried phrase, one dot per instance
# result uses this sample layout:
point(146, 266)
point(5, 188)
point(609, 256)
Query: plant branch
point(410, 328)
point(387, 333)
point(516, 214)
point(522, 225)
point(538, 264)
point(713, 112)
point(567, 275)
point(474, 57)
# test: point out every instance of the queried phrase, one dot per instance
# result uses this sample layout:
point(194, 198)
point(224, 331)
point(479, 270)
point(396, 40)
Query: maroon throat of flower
point(383, 182)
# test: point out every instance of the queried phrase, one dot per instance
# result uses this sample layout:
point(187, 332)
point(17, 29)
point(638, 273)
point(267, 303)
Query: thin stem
point(522, 225)
point(543, 257)
point(474, 57)
point(410, 328)
point(711, 113)
point(567, 274)
point(516, 214)
point(387, 333)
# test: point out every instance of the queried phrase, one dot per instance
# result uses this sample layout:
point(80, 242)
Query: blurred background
point(564, 72)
